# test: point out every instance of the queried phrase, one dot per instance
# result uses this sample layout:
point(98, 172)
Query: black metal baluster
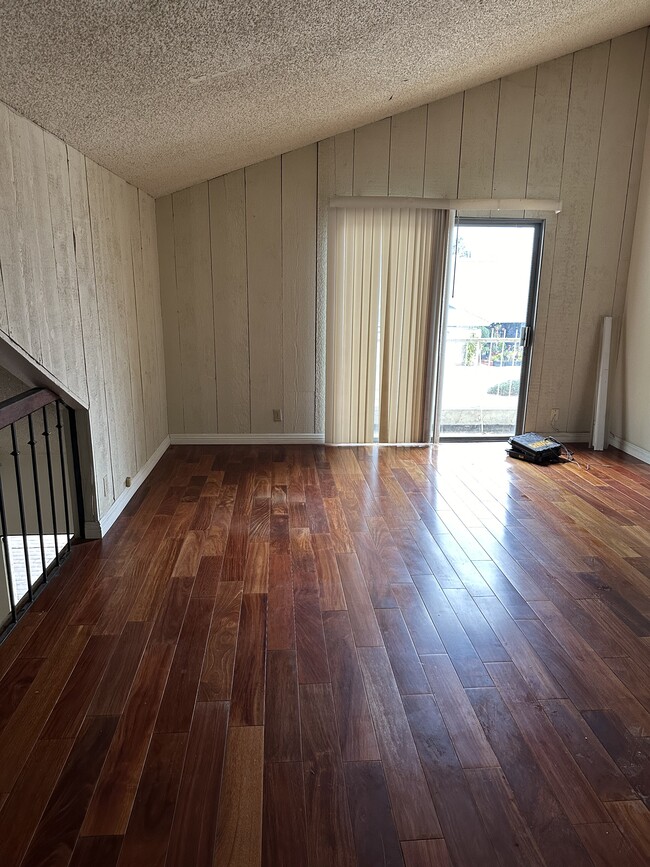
point(21, 509)
point(64, 480)
point(37, 493)
point(76, 466)
point(46, 434)
point(5, 542)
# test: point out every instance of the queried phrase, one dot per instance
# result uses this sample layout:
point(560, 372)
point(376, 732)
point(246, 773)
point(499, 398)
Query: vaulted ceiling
point(166, 94)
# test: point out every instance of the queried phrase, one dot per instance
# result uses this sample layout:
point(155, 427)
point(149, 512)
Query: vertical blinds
point(387, 269)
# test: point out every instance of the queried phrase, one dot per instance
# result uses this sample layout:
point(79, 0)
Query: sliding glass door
point(487, 332)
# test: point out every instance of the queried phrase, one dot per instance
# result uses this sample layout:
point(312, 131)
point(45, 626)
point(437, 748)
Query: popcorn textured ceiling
point(166, 94)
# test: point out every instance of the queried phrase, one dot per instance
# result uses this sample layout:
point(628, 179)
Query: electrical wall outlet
point(277, 415)
point(555, 417)
point(128, 481)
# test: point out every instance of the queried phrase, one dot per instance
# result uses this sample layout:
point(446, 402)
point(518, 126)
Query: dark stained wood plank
point(310, 641)
point(96, 852)
point(68, 713)
point(436, 560)
point(57, 831)
point(485, 642)
point(202, 518)
point(342, 541)
point(374, 571)
point(632, 755)
point(282, 712)
point(23, 808)
point(256, 569)
point(147, 835)
point(156, 582)
point(177, 706)
point(115, 685)
point(207, 576)
point(281, 622)
point(604, 776)
point(457, 644)
point(607, 846)
point(355, 729)
point(28, 719)
point(422, 631)
point(633, 819)
point(459, 817)
point(332, 597)
point(194, 826)
point(426, 853)
point(216, 676)
point(506, 828)
point(189, 556)
point(375, 838)
point(284, 831)
point(516, 639)
point(552, 831)
point(15, 683)
point(570, 786)
point(239, 822)
point(414, 812)
point(247, 707)
point(362, 616)
point(403, 657)
point(112, 800)
point(508, 596)
point(468, 737)
point(329, 832)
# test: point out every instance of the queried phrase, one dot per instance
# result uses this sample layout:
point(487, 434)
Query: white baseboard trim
point(98, 529)
point(245, 439)
point(630, 448)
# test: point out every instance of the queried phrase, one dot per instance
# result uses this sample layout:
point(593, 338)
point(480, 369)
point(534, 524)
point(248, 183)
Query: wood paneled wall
point(79, 292)
point(243, 257)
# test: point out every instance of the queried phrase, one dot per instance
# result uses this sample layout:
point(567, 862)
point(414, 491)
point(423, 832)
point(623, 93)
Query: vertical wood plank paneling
point(633, 186)
point(344, 163)
point(544, 181)
point(156, 393)
point(71, 265)
point(117, 310)
point(230, 299)
point(478, 140)
point(91, 338)
point(607, 215)
point(10, 264)
point(145, 318)
point(299, 191)
point(194, 298)
point(371, 159)
point(549, 123)
point(326, 189)
point(407, 149)
point(578, 175)
point(99, 209)
point(23, 318)
point(131, 242)
point(58, 181)
point(45, 299)
point(169, 308)
point(264, 257)
point(441, 164)
point(513, 137)
point(503, 139)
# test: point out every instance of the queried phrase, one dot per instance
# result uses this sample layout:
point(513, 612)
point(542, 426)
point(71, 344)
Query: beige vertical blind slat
point(386, 280)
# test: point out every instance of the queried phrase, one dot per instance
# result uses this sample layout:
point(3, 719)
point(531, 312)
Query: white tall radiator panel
point(599, 425)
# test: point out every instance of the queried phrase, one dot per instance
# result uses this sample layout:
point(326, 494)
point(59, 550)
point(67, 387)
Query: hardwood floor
point(307, 656)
